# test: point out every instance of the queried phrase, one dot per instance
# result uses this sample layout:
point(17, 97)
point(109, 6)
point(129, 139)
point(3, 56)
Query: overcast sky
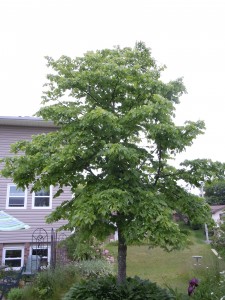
point(186, 35)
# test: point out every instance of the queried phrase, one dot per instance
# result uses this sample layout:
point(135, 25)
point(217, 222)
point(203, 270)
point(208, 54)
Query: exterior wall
point(216, 216)
point(217, 211)
point(35, 218)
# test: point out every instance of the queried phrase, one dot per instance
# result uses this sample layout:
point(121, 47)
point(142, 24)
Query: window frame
point(9, 185)
point(43, 247)
point(43, 207)
point(4, 259)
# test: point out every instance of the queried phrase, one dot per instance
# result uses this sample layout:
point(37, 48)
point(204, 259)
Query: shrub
point(81, 247)
point(107, 289)
point(44, 285)
point(15, 294)
point(95, 268)
point(218, 240)
point(50, 283)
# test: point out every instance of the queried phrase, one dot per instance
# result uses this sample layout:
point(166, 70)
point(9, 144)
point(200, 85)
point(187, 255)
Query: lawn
point(175, 268)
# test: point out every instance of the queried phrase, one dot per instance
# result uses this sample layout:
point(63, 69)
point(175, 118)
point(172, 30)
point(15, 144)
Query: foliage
point(114, 142)
point(107, 288)
point(15, 294)
point(44, 285)
point(177, 295)
point(81, 247)
point(215, 192)
point(196, 226)
point(218, 239)
point(95, 268)
point(211, 286)
point(50, 284)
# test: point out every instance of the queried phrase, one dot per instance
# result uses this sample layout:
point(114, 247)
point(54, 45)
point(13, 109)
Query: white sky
point(186, 35)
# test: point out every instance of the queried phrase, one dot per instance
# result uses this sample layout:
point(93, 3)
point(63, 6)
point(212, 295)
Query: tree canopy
point(115, 141)
point(214, 192)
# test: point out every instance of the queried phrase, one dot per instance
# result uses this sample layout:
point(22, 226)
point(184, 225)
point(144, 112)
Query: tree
point(214, 192)
point(115, 140)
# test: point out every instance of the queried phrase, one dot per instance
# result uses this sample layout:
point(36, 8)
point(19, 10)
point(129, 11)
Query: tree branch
point(157, 176)
point(89, 93)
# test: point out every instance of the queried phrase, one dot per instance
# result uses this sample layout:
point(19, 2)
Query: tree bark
point(122, 258)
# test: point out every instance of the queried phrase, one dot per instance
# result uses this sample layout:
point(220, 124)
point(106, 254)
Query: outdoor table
point(197, 258)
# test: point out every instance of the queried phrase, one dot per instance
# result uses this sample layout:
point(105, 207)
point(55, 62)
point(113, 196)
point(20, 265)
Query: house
point(218, 212)
point(30, 208)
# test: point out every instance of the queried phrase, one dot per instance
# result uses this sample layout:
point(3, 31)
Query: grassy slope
point(175, 268)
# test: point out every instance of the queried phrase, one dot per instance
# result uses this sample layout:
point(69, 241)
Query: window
point(44, 253)
point(13, 257)
point(42, 198)
point(16, 197)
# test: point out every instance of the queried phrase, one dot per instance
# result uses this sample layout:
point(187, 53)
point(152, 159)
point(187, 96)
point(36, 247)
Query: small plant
point(15, 294)
point(177, 295)
point(107, 289)
point(44, 285)
point(95, 268)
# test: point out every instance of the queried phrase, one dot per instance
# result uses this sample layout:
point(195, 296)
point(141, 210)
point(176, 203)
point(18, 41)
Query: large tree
point(214, 192)
point(114, 145)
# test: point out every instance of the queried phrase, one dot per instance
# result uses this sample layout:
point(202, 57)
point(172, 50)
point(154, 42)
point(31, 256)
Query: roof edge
point(27, 121)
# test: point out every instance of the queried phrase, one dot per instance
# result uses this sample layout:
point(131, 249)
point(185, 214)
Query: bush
point(15, 294)
point(51, 284)
point(95, 268)
point(218, 240)
point(107, 289)
point(44, 284)
point(48, 285)
point(81, 247)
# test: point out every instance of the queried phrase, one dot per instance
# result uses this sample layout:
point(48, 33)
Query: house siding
point(217, 211)
point(35, 218)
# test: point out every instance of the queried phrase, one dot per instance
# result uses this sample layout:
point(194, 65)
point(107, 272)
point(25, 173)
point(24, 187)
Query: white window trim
point(13, 248)
point(43, 207)
point(7, 198)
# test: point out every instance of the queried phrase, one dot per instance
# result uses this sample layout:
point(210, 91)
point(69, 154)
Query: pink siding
point(33, 217)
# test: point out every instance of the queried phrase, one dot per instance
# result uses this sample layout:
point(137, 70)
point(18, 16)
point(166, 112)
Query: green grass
point(175, 268)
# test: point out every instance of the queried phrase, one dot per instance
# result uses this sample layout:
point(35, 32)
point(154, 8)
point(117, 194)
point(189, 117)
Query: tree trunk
point(122, 257)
